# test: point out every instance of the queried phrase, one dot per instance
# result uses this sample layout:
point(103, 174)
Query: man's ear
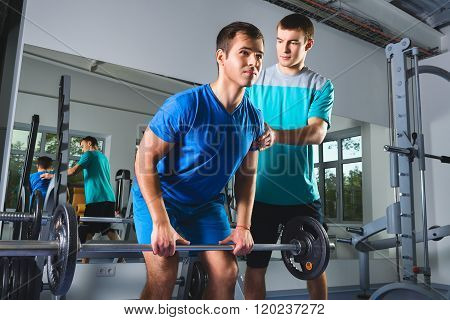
point(220, 57)
point(309, 44)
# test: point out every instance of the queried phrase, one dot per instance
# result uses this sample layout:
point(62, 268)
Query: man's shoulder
point(187, 95)
point(35, 175)
point(316, 80)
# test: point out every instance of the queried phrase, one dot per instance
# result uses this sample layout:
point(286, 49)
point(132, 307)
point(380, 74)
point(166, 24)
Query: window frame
point(321, 165)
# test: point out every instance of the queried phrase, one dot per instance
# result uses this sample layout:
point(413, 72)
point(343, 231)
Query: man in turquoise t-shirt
point(99, 195)
point(296, 103)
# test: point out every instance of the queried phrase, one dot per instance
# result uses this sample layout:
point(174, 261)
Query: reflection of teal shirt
point(285, 172)
point(96, 172)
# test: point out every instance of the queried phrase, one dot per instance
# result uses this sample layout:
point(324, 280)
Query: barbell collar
point(16, 217)
point(28, 248)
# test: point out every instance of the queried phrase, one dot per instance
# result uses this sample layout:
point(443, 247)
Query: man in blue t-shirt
point(196, 141)
point(296, 103)
point(40, 180)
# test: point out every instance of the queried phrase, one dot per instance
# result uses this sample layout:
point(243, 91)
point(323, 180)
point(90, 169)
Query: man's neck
point(292, 70)
point(40, 169)
point(229, 94)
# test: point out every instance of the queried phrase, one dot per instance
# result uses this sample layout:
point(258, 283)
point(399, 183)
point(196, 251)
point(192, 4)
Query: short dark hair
point(229, 32)
point(44, 162)
point(92, 140)
point(297, 21)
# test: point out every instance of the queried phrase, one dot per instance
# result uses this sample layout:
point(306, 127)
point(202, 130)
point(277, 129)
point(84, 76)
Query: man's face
point(292, 47)
point(85, 146)
point(244, 60)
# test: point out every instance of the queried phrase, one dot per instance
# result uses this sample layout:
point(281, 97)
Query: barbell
point(304, 245)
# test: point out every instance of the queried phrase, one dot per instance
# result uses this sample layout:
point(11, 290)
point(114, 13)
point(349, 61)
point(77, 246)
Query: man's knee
point(226, 276)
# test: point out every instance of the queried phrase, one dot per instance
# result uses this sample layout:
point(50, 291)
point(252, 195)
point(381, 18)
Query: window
point(338, 170)
point(46, 145)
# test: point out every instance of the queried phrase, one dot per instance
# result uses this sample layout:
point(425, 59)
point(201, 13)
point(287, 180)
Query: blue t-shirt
point(36, 183)
point(209, 144)
point(286, 172)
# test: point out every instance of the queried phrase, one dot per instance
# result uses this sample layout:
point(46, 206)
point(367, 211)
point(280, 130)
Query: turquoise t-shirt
point(96, 172)
point(285, 172)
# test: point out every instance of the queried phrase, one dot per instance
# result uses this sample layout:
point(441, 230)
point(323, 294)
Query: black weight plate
point(23, 279)
point(33, 229)
point(4, 278)
point(15, 279)
point(313, 259)
point(61, 267)
point(35, 281)
point(199, 280)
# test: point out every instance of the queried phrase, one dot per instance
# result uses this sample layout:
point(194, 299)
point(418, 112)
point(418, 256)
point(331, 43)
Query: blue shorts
point(200, 224)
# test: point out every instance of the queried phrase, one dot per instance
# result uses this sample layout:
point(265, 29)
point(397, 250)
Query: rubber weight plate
point(34, 287)
point(61, 267)
point(313, 258)
point(198, 282)
point(4, 278)
point(14, 279)
point(31, 230)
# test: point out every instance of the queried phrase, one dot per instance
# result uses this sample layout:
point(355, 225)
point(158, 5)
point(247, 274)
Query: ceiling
point(380, 21)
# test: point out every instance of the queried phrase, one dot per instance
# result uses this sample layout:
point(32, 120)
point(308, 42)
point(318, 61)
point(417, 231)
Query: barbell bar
point(32, 248)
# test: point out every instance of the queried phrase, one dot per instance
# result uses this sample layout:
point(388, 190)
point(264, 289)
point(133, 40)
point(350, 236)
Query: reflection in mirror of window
point(330, 193)
point(46, 145)
point(330, 151)
point(51, 143)
point(352, 191)
point(315, 153)
point(75, 147)
point(338, 172)
point(20, 140)
point(351, 147)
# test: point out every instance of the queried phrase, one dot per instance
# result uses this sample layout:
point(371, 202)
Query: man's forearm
point(310, 134)
point(151, 191)
point(244, 187)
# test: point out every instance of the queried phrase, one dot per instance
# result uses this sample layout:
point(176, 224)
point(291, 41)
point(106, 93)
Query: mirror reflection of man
point(99, 194)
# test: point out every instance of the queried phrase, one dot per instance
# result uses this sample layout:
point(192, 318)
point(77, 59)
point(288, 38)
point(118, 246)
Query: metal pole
point(28, 248)
point(106, 220)
point(123, 247)
point(421, 156)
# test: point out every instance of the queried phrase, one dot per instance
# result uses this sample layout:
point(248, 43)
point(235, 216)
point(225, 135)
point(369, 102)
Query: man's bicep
point(151, 149)
point(84, 160)
point(319, 123)
point(250, 163)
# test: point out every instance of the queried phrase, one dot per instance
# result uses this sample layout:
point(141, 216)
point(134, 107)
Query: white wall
point(177, 38)
point(102, 112)
point(435, 93)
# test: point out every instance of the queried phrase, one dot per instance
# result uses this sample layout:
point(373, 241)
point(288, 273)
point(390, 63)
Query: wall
point(108, 109)
point(184, 48)
point(435, 96)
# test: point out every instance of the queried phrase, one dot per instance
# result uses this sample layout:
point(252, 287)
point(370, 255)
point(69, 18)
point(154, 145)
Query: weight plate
point(23, 279)
point(314, 255)
point(199, 280)
point(31, 230)
point(4, 278)
point(35, 281)
point(61, 267)
point(14, 278)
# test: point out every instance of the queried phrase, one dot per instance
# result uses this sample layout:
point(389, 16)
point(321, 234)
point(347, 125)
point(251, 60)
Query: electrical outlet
point(106, 271)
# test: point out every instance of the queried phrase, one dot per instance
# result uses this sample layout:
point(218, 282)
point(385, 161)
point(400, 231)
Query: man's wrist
point(243, 226)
